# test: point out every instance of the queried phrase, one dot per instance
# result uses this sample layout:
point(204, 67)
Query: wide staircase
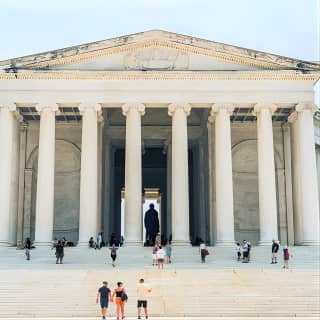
point(222, 287)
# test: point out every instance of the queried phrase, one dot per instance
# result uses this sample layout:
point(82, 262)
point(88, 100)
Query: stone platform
point(222, 288)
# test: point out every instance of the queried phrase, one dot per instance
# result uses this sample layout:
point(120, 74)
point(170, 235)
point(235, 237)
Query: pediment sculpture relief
point(156, 58)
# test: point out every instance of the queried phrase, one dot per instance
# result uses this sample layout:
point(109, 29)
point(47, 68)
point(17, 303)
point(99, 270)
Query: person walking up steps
point(286, 257)
point(238, 251)
point(168, 252)
point(160, 257)
point(59, 252)
point(27, 246)
point(104, 295)
point(113, 254)
point(274, 250)
point(203, 251)
point(120, 299)
point(143, 291)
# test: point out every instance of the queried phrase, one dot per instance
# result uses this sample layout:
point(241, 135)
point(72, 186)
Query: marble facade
point(230, 136)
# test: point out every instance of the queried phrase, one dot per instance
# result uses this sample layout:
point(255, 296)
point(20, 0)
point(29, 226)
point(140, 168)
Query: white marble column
point(223, 177)
point(6, 166)
point(307, 171)
point(180, 184)
point(266, 174)
point(133, 173)
point(45, 179)
point(296, 175)
point(88, 220)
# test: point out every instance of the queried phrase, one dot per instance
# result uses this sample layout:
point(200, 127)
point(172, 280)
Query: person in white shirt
point(238, 251)
point(203, 251)
point(143, 291)
point(160, 257)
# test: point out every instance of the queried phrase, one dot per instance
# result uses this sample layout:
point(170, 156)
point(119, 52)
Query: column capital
point(216, 107)
point(264, 106)
point(173, 107)
point(84, 106)
point(40, 107)
point(140, 107)
point(304, 106)
point(293, 117)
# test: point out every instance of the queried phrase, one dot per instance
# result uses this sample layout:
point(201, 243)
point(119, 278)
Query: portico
point(226, 132)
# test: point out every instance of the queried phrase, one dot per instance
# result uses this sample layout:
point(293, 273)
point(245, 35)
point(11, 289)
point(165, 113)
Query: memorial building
point(224, 141)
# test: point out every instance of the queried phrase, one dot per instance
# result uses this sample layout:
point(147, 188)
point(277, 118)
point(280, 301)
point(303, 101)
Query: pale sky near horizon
point(285, 27)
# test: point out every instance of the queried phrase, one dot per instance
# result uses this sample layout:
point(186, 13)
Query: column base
point(225, 243)
point(181, 243)
point(133, 243)
point(265, 243)
point(42, 243)
point(315, 243)
point(4, 243)
point(83, 244)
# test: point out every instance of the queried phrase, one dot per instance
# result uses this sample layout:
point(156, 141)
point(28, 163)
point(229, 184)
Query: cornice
point(185, 48)
point(159, 75)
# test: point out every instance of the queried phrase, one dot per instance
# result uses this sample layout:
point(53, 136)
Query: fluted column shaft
point(307, 170)
point(266, 173)
point(180, 184)
point(223, 174)
point(133, 173)
point(6, 163)
point(88, 221)
point(45, 179)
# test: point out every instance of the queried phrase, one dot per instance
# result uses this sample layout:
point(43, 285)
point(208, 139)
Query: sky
point(285, 27)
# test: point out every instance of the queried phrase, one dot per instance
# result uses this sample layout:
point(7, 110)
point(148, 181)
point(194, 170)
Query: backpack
point(287, 254)
point(124, 297)
point(113, 252)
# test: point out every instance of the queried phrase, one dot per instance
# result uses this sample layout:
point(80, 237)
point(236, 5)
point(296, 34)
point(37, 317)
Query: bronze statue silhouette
point(151, 223)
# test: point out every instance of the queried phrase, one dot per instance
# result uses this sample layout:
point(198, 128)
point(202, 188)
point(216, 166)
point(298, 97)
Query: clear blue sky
point(285, 27)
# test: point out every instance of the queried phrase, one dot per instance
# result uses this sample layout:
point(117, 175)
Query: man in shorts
point(143, 291)
point(104, 295)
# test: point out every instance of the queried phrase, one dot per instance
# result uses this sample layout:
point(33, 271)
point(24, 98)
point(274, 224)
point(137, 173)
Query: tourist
point(120, 299)
point(99, 241)
point(113, 254)
point(160, 257)
point(28, 247)
point(143, 291)
point(104, 295)
point(154, 255)
point(203, 251)
point(245, 251)
point(238, 251)
point(59, 252)
point(168, 252)
point(274, 250)
point(91, 243)
point(249, 250)
point(286, 257)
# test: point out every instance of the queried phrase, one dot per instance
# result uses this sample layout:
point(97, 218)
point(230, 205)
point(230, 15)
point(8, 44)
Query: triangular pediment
point(156, 50)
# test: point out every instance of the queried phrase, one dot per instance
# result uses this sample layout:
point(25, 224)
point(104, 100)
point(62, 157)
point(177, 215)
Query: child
point(238, 251)
point(168, 252)
point(286, 256)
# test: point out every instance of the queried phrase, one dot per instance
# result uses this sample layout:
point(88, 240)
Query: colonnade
point(305, 182)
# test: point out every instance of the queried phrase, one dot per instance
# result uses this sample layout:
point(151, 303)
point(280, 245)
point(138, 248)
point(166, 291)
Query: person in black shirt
point(104, 295)
point(59, 252)
point(28, 246)
point(274, 249)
